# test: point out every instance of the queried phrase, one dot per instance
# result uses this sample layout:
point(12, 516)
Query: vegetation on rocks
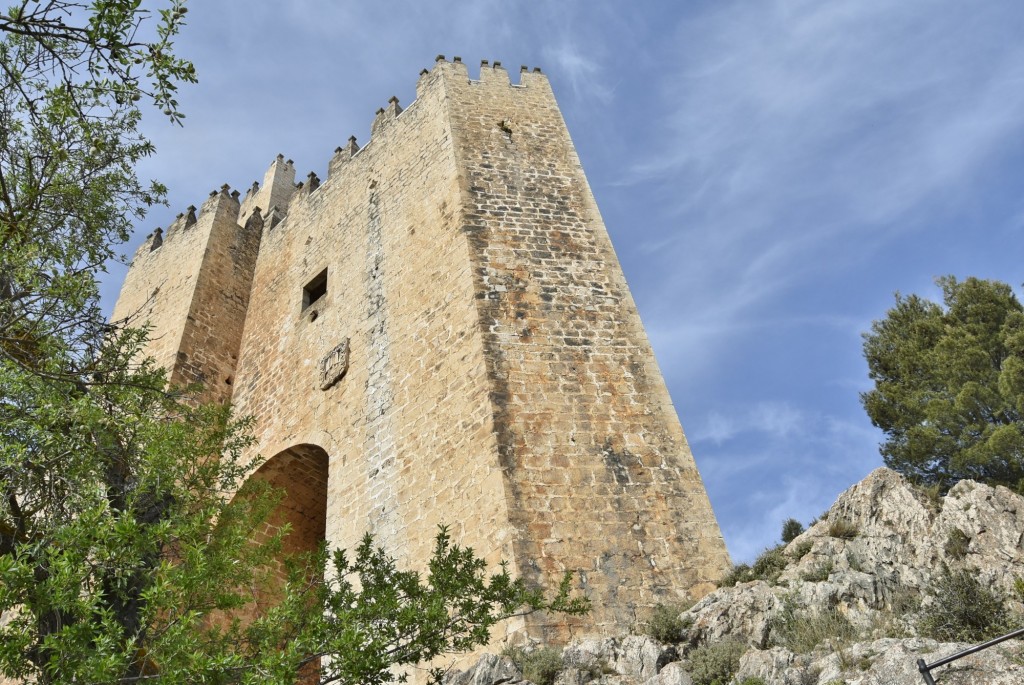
point(961, 609)
point(801, 630)
point(770, 564)
point(667, 622)
point(540, 666)
point(791, 528)
point(842, 529)
point(847, 609)
point(716, 663)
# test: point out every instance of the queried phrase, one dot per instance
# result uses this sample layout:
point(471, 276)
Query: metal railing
point(926, 669)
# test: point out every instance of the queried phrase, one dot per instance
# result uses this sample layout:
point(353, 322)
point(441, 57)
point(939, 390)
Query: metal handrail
point(926, 669)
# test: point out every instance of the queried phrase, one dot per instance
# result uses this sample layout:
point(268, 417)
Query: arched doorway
point(299, 474)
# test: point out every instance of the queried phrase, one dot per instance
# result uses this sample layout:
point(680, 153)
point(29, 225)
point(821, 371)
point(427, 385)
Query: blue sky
point(771, 172)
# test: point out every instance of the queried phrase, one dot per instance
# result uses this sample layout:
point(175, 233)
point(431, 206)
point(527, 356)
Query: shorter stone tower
point(439, 332)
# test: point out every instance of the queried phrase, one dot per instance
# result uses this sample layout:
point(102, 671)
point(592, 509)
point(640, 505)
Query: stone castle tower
point(439, 332)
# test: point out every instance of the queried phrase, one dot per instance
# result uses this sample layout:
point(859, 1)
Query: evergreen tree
point(949, 384)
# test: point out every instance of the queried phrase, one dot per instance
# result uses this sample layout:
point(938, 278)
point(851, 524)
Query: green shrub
point(898, 616)
point(790, 529)
point(820, 573)
point(770, 565)
point(905, 600)
point(801, 550)
point(962, 610)
point(739, 573)
point(801, 630)
point(667, 623)
point(767, 567)
point(932, 495)
point(753, 680)
point(843, 529)
point(539, 666)
point(957, 544)
point(716, 663)
point(820, 517)
point(1018, 589)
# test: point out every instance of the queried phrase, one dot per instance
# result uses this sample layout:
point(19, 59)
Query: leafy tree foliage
point(949, 384)
point(130, 547)
point(72, 77)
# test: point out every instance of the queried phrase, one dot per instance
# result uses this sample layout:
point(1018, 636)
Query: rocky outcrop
point(841, 603)
point(881, 662)
point(874, 554)
point(491, 669)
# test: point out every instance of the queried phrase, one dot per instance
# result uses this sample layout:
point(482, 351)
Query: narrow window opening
point(314, 290)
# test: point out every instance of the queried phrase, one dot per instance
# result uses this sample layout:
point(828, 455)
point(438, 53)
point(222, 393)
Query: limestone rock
point(880, 543)
point(635, 656)
point(743, 612)
point(882, 662)
point(671, 674)
point(900, 538)
point(776, 665)
point(490, 669)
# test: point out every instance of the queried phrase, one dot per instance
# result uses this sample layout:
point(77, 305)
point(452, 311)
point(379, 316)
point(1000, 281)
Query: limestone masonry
point(439, 332)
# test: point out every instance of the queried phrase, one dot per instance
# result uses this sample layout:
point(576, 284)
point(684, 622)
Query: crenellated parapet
point(160, 243)
point(342, 155)
point(279, 188)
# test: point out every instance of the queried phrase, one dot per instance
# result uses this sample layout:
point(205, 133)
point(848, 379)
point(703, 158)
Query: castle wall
point(409, 427)
point(498, 376)
point(208, 352)
point(600, 479)
point(191, 286)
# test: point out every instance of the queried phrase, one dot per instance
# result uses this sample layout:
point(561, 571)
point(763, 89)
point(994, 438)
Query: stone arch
point(300, 473)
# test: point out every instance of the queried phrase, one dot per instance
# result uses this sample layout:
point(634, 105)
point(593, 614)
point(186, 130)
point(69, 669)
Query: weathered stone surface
point(901, 537)
point(672, 674)
point(777, 666)
point(498, 376)
point(636, 656)
point(895, 544)
point(742, 612)
point(491, 669)
point(883, 662)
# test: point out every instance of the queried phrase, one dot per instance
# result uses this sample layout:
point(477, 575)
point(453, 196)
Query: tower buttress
point(276, 191)
point(192, 289)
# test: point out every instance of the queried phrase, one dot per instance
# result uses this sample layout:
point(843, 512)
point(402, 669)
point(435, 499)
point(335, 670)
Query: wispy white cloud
point(800, 129)
point(769, 461)
point(775, 419)
point(587, 77)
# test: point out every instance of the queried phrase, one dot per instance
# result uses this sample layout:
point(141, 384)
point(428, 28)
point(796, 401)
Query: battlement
point(490, 72)
point(274, 196)
point(220, 203)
